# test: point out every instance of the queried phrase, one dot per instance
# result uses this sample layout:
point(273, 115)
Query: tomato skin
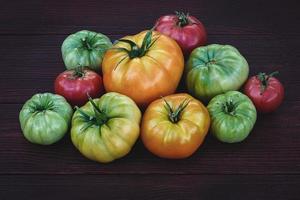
point(188, 37)
point(144, 78)
point(86, 48)
point(177, 140)
point(75, 89)
point(45, 118)
point(112, 139)
point(268, 100)
point(215, 69)
point(233, 116)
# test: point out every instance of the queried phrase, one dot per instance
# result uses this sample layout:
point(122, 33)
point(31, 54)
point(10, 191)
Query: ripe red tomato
point(75, 84)
point(265, 91)
point(186, 30)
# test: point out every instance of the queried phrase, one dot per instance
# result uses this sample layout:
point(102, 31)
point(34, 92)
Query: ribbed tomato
point(187, 30)
point(265, 91)
point(175, 126)
point(143, 66)
point(76, 83)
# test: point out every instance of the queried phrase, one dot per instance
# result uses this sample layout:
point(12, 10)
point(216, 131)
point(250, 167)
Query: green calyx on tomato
point(174, 113)
point(264, 80)
point(183, 19)
point(229, 107)
point(78, 72)
point(136, 51)
point(233, 116)
point(98, 118)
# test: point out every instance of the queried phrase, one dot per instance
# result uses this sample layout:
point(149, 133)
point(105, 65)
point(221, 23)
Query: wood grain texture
point(162, 187)
point(265, 166)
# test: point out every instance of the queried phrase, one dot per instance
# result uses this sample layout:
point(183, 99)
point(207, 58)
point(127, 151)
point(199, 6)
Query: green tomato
point(233, 116)
point(45, 118)
point(215, 69)
point(105, 129)
point(85, 48)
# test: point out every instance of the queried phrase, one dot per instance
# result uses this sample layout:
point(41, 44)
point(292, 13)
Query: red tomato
point(265, 91)
point(75, 84)
point(186, 30)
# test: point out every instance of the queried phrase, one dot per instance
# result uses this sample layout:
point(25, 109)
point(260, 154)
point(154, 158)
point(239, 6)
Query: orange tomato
point(175, 126)
point(141, 71)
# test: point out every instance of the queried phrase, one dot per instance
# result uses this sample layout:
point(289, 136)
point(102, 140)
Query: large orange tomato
point(144, 67)
point(175, 126)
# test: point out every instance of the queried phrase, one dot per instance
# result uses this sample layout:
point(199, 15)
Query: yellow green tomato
point(45, 118)
point(233, 116)
point(105, 129)
point(215, 69)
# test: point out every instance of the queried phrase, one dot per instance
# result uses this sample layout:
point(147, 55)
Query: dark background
point(265, 166)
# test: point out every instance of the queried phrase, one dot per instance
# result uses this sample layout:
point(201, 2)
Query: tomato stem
point(99, 118)
point(183, 19)
point(136, 51)
point(86, 43)
point(229, 107)
point(78, 72)
point(264, 80)
point(174, 114)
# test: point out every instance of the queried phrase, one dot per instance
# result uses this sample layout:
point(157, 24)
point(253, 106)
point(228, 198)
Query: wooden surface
point(265, 166)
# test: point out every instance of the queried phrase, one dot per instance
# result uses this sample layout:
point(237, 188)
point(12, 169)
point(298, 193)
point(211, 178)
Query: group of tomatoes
point(142, 72)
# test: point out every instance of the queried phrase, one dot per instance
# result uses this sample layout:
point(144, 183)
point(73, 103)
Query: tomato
point(187, 30)
point(265, 91)
point(45, 118)
point(233, 116)
point(215, 69)
point(105, 129)
point(85, 48)
point(143, 66)
point(175, 126)
point(75, 84)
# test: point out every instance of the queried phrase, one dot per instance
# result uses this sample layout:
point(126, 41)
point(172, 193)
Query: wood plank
point(150, 187)
point(61, 17)
point(272, 148)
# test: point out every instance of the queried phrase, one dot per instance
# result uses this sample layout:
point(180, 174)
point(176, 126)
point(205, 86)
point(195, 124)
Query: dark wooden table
point(265, 166)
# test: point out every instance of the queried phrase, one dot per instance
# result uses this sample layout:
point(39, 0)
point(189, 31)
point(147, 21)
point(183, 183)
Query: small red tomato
point(75, 84)
point(265, 91)
point(186, 30)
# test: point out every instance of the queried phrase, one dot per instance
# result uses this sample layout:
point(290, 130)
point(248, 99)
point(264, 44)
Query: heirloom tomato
point(185, 29)
point(105, 129)
point(233, 116)
point(265, 91)
point(143, 66)
point(175, 126)
point(85, 48)
point(215, 69)
point(76, 83)
point(45, 118)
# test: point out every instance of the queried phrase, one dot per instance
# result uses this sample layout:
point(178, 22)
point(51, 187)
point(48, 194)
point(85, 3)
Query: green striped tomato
point(45, 118)
point(86, 49)
point(233, 116)
point(215, 69)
